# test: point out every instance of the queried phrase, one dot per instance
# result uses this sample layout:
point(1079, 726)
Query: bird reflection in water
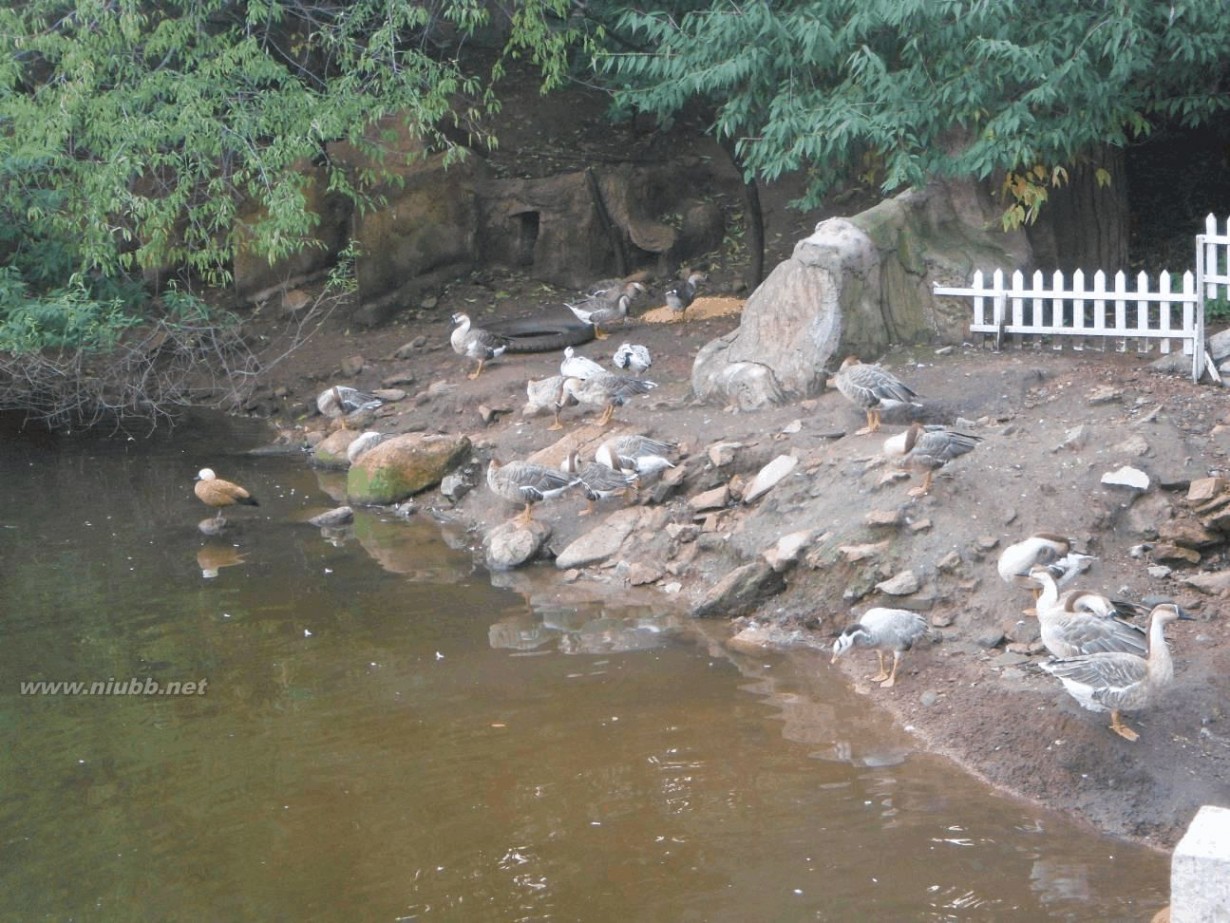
point(212, 558)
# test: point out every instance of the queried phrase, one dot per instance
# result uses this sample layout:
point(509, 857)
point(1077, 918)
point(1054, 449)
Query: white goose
point(1118, 682)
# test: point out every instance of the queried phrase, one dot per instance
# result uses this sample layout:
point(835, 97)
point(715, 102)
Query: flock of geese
point(1104, 661)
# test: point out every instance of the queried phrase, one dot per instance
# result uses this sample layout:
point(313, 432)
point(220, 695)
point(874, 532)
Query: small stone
point(1159, 571)
point(949, 562)
point(1165, 552)
point(930, 697)
point(1075, 438)
point(1127, 477)
point(769, 477)
point(855, 553)
point(884, 517)
point(672, 588)
point(941, 619)
point(333, 518)
point(1105, 394)
point(405, 377)
point(640, 574)
point(920, 525)
point(352, 366)
point(901, 584)
point(986, 542)
point(409, 349)
point(1134, 446)
point(682, 532)
point(716, 498)
point(455, 486)
point(1203, 489)
point(722, 454)
point(1010, 659)
point(989, 638)
point(390, 395)
point(785, 553)
point(794, 426)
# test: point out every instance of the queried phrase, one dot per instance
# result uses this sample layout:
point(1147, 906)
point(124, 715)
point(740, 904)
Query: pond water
point(383, 734)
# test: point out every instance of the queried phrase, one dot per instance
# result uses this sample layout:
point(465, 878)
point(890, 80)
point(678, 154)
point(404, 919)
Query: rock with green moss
point(403, 466)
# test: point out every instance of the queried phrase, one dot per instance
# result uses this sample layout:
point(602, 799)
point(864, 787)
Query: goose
point(526, 482)
point(602, 315)
point(1081, 622)
point(633, 358)
point(607, 390)
point(605, 293)
point(635, 454)
point(1049, 549)
point(1119, 681)
point(341, 401)
point(873, 389)
point(217, 493)
point(574, 366)
point(883, 629)
point(363, 443)
point(597, 480)
point(475, 343)
point(929, 448)
point(680, 297)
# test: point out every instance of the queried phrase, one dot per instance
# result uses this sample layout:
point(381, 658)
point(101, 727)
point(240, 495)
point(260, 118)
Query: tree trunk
point(1084, 225)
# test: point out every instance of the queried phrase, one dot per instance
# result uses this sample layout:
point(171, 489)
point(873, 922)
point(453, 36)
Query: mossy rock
point(403, 466)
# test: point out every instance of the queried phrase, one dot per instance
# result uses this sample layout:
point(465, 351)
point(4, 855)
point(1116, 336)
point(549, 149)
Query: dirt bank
point(1051, 424)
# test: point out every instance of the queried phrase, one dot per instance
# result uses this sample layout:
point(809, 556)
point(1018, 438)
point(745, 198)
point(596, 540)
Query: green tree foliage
point(899, 90)
point(138, 135)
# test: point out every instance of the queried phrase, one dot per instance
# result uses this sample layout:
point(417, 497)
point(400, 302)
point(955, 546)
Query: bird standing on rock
point(873, 389)
point(340, 401)
point(883, 629)
point(1119, 681)
point(217, 493)
point(680, 297)
point(475, 343)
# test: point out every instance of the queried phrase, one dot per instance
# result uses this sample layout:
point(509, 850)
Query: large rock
point(514, 543)
point(740, 591)
point(855, 286)
point(331, 452)
point(600, 542)
point(403, 466)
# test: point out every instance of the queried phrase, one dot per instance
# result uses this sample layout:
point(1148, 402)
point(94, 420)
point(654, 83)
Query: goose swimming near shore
point(883, 630)
point(475, 343)
point(219, 494)
point(873, 389)
point(1119, 681)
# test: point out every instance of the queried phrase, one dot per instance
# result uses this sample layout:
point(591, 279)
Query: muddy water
point(384, 735)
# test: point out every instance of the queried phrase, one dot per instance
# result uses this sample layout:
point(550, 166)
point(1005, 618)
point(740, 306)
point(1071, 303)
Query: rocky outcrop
point(403, 466)
point(853, 287)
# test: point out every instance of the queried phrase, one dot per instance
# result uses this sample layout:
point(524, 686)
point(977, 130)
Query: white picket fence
point(1097, 316)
